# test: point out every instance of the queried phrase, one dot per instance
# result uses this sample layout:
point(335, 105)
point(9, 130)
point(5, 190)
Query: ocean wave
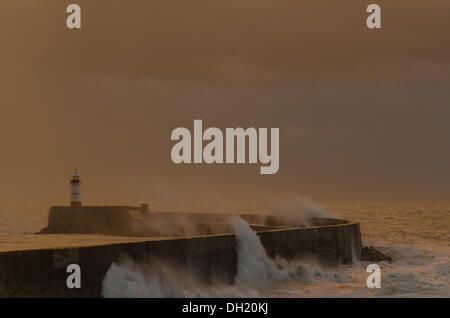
point(415, 272)
point(256, 273)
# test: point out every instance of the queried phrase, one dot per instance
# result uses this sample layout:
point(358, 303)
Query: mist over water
point(299, 210)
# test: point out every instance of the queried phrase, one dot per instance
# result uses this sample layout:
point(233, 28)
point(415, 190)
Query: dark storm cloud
point(362, 113)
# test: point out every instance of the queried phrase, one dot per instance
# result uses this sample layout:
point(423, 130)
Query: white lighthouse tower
point(75, 189)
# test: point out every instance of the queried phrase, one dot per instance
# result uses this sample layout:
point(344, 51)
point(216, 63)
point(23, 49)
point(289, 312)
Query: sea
point(415, 235)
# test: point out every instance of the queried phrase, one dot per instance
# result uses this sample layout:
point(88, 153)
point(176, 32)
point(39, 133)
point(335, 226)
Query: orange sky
point(363, 114)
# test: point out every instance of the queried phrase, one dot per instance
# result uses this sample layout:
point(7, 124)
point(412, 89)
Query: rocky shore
point(370, 254)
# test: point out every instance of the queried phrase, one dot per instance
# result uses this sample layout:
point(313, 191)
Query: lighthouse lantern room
point(75, 188)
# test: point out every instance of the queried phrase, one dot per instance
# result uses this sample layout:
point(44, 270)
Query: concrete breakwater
point(42, 273)
point(140, 222)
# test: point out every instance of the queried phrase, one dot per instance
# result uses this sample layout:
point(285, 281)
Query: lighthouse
point(75, 189)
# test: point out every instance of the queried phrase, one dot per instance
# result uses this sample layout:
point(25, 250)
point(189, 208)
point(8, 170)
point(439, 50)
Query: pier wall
point(108, 220)
point(138, 221)
point(42, 273)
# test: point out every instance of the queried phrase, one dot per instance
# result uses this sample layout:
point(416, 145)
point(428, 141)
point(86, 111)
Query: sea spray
point(299, 211)
point(255, 273)
point(355, 257)
point(254, 267)
point(130, 279)
point(121, 281)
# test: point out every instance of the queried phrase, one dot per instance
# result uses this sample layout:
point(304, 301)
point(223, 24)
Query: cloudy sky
point(363, 114)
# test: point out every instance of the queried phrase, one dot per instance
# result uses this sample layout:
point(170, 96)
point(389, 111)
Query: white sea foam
point(255, 273)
